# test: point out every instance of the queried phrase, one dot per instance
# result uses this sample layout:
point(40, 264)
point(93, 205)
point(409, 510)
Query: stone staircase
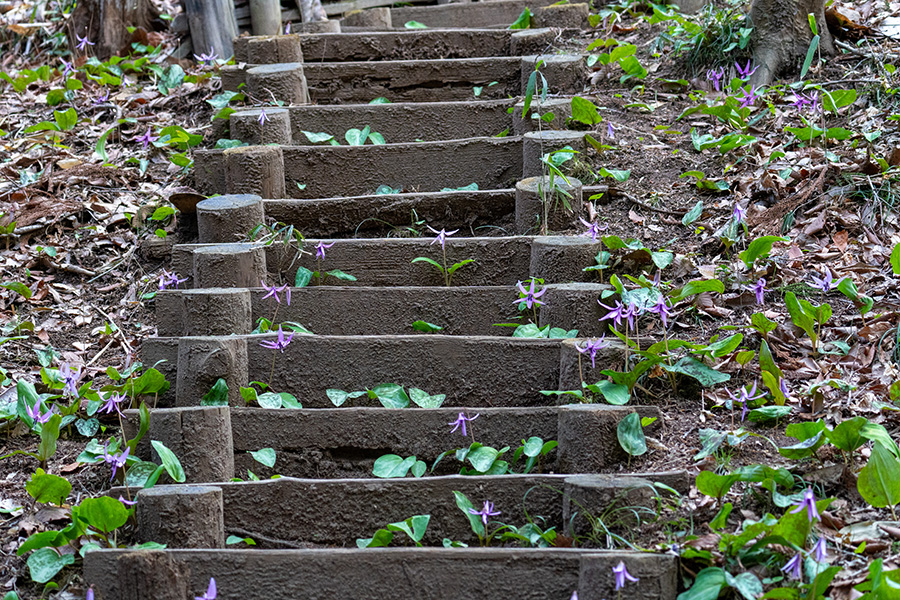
point(306, 522)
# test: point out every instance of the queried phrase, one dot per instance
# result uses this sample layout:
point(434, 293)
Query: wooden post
point(265, 15)
point(213, 26)
point(311, 11)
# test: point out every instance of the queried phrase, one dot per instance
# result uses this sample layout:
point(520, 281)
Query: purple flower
point(70, 378)
point(759, 289)
point(487, 511)
point(112, 404)
point(574, 595)
point(531, 297)
point(814, 102)
point(147, 138)
point(616, 313)
point(89, 595)
point(716, 75)
point(745, 397)
point(287, 29)
point(35, 412)
point(633, 310)
point(591, 346)
point(809, 503)
point(166, 279)
point(127, 502)
point(67, 68)
point(273, 292)
point(662, 309)
point(207, 59)
point(320, 250)
point(799, 102)
point(749, 98)
point(782, 385)
point(793, 566)
point(83, 42)
point(101, 99)
point(820, 550)
point(442, 235)
point(211, 591)
point(593, 230)
point(262, 116)
point(116, 460)
point(739, 213)
point(621, 574)
point(610, 132)
point(826, 283)
point(460, 422)
point(280, 344)
point(745, 73)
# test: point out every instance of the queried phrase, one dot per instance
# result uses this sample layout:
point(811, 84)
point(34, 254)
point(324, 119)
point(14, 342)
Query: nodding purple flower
point(67, 68)
point(814, 101)
point(166, 279)
point(279, 344)
point(127, 502)
point(101, 99)
point(758, 288)
point(715, 76)
point(827, 282)
point(207, 59)
point(320, 249)
point(35, 412)
point(633, 310)
point(616, 313)
point(799, 102)
point(622, 574)
point(574, 595)
point(593, 229)
point(745, 73)
point(793, 567)
point(287, 29)
point(460, 422)
point(116, 460)
point(809, 503)
point(749, 98)
point(70, 377)
point(745, 397)
point(262, 116)
point(610, 132)
point(662, 309)
point(820, 550)
point(739, 213)
point(531, 297)
point(147, 138)
point(485, 512)
point(592, 346)
point(112, 404)
point(782, 385)
point(83, 42)
point(211, 591)
point(89, 595)
point(273, 292)
point(442, 235)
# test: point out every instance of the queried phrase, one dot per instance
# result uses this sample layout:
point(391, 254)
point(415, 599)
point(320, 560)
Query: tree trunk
point(781, 35)
point(213, 26)
point(105, 23)
point(311, 10)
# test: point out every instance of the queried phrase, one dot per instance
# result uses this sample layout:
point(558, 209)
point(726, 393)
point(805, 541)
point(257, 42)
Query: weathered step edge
point(400, 573)
point(472, 371)
point(214, 442)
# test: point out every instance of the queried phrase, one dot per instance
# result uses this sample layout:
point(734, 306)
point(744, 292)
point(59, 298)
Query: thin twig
point(666, 211)
point(263, 538)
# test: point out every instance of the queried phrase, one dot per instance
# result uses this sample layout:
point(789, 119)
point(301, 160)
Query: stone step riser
point(344, 442)
point(399, 573)
point(339, 511)
point(328, 310)
point(388, 262)
point(404, 80)
point(472, 371)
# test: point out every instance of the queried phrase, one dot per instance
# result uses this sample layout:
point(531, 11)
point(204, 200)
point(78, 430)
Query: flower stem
point(446, 275)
